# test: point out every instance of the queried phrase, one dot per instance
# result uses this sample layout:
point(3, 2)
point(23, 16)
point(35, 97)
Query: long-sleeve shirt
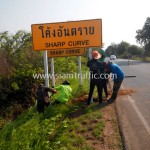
point(116, 70)
point(63, 93)
point(94, 65)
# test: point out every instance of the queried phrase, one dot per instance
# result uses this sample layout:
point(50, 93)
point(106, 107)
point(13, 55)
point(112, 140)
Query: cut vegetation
point(65, 127)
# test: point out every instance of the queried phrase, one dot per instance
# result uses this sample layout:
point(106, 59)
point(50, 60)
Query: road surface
point(134, 109)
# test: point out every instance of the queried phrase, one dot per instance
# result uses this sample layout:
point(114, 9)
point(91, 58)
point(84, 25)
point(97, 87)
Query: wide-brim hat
point(66, 82)
point(96, 54)
point(41, 84)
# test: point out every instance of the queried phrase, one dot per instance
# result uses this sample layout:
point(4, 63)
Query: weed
point(98, 131)
point(60, 127)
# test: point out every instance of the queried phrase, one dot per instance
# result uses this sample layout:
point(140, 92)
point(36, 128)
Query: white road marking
point(141, 117)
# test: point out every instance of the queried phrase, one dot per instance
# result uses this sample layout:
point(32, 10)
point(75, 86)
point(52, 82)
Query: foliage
point(134, 50)
point(147, 59)
point(52, 130)
point(18, 82)
point(41, 131)
point(111, 50)
point(66, 126)
point(143, 36)
point(124, 50)
point(65, 64)
point(20, 63)
point(32, 130)
point(17, 88)
point(17, 50)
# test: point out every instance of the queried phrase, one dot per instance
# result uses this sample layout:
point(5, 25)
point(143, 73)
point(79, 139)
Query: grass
point(97, 132)
point(63, 127)
point(75, 129)
point(147, 59)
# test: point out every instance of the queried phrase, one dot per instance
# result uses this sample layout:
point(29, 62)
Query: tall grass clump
point(36, 131)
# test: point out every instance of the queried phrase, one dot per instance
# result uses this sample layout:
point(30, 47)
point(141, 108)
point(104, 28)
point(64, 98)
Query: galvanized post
point(46, 69)
point(52, 71)
point(90, 57)
point(79, 70)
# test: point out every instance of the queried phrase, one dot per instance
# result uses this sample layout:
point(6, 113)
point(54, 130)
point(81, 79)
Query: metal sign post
point(66, 38)
point(46, 69)
point(90, 57)
point(52, 71)
point(79, 70)
point(89, 53)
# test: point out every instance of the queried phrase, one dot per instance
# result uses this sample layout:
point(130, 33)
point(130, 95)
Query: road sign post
point(79, 70)
point(90, 57)
point(46, 69)
point(52, 71)
point(66, 35)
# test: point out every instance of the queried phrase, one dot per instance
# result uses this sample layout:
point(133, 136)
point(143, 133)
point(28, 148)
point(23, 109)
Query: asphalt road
point(134, 110)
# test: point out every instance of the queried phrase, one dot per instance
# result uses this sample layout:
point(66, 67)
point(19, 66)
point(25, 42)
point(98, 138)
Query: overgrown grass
point(38, 131)
point(71, 135)
point(147, 59)
point(63, 126)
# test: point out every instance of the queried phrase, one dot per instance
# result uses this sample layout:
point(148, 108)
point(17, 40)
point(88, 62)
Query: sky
point(120, 18)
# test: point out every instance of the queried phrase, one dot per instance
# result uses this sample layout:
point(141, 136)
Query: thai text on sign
point(67, 35)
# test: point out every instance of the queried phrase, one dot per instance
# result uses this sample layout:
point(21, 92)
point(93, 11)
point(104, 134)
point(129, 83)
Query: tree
point(17, 49)
point(18, 64)
point(122, 49)
point(111, 50)
point(134, 50)
point(143, 36)
point(4, 65)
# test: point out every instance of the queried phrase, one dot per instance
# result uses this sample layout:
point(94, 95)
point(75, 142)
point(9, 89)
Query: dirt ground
point(111, 138)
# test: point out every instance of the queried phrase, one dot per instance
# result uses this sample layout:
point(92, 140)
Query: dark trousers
point(94, 83)
point(116, 88)
point(41, 104)
point(104, 86)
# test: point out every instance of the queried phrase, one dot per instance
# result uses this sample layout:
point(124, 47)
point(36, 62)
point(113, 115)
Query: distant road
point(134, 109)
point(125, 62)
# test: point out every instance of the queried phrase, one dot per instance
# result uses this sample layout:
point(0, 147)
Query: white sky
point(120, 18)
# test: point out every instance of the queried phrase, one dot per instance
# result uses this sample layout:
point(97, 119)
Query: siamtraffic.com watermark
point(86, 75)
